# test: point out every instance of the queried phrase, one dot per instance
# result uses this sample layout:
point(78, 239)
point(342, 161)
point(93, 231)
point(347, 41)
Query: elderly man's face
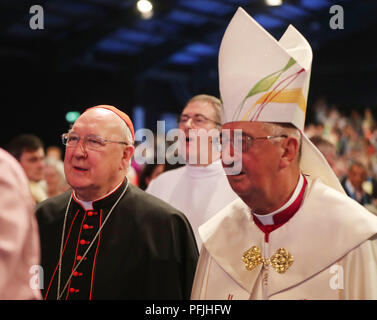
point(200, 115)
point(94, 173)
point(258, 164)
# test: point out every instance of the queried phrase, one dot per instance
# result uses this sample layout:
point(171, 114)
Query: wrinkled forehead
point(248, 127)
point(201, 107)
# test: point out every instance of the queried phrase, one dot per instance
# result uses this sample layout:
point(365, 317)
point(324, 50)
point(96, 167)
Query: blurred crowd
point(348, 142)
point(44, 168)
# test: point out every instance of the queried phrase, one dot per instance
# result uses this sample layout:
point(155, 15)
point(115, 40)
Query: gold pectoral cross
point(280, 261)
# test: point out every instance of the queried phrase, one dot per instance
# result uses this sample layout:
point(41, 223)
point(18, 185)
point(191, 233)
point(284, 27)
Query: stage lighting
point(274, 2)
point(72, 116)
point(144, 6)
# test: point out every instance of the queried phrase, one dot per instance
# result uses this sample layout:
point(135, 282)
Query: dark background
point(94, 52)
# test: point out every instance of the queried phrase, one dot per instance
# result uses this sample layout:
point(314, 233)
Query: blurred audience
point(151, 171)
point(148, 173)
point(54, 177)
point(54, 152)
point(149, 168)
point(327, 149)
point(372, 207)
point(28, 150)
point(355, 140)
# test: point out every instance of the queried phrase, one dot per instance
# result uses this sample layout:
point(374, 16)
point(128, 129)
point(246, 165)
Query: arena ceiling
point(103, 51)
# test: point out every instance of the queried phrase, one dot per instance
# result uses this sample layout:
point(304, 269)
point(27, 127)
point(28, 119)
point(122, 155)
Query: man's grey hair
point(212, 100)
point(58, 165)
point(126, 132)
point(278, 128)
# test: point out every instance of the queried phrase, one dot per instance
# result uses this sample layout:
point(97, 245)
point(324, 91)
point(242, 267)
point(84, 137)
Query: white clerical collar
point(88, 205)
point(210, 170)
point(267, 219)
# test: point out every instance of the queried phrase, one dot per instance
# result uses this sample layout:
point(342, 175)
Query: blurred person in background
point(151, 169)
point(354, 181)
point(356, 122)
point(326, 148)
point(19, 238)
point(54, 177)
point(368, 123)
point(54, 152)
point(200, 188)
point(28, 150)
point(149, 172)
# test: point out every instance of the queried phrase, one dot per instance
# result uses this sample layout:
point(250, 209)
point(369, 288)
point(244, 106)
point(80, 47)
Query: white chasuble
point(331, 239)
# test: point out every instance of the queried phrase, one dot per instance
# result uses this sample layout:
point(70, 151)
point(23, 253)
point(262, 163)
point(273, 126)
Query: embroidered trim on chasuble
point(280, 261)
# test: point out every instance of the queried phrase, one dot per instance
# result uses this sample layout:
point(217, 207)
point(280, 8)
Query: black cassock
point(146, 249)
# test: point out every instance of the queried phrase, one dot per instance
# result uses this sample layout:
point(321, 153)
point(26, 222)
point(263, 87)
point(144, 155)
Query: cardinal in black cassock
point(145, 250)
point(107, 239)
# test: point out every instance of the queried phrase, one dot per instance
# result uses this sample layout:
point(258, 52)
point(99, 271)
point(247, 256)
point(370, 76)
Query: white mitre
point(265, 80)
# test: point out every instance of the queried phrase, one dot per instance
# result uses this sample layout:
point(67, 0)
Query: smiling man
point(107, 239)
point(295, 234)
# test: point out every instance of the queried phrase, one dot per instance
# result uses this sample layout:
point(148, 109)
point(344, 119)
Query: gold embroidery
point(280, 261)
point(252, 257)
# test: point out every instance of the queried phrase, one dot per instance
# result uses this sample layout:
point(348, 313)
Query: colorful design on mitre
point(278, 94)
point(260, 78)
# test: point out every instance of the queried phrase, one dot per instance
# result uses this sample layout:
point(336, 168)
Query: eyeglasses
point(243, 142)
point(91, 141)
point(198, 120)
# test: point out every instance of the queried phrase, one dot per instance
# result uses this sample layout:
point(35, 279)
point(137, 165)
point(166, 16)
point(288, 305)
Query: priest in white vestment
point(200, 188)
point(293, 234)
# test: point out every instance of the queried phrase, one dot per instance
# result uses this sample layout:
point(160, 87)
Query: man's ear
point(128, 152)
point(290, 152)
